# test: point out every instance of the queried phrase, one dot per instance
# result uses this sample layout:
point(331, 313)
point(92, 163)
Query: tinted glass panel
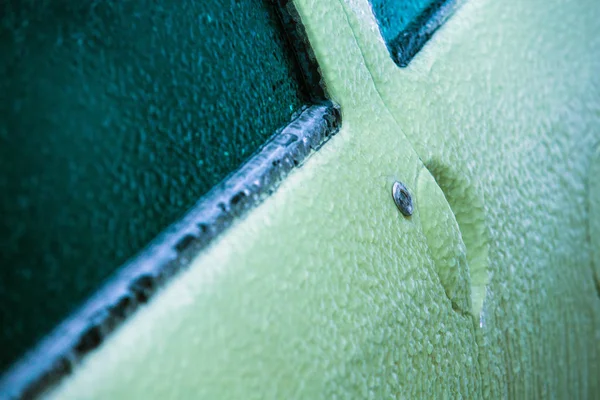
point(407, 24)
point(115, 117)
point(394, 16)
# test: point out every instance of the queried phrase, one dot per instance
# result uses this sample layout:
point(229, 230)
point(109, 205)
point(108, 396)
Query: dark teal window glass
point(115, 117)
point(394, 16)
point(407, 24)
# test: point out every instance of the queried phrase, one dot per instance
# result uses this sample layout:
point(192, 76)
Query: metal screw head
point(402, 198)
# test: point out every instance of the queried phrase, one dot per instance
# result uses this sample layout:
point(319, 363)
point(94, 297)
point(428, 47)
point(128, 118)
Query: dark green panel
point(115, 117)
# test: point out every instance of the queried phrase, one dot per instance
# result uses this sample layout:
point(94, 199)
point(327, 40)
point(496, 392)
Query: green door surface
point(325, 290)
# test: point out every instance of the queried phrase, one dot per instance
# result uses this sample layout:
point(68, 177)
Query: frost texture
point(117, 117)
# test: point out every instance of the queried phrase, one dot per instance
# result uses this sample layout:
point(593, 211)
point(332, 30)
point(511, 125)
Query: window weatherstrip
point(57, 355)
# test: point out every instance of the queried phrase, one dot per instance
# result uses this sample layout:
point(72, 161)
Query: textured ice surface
point(116, 117)
point(327, 291)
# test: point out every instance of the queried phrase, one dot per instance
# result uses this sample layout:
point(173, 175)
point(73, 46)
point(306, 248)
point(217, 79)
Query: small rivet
point(402, 199)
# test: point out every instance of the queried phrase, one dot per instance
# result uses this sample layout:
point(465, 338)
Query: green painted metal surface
point(326, 290)
point(116, 118)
